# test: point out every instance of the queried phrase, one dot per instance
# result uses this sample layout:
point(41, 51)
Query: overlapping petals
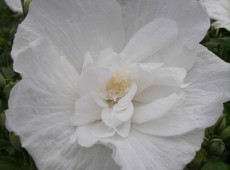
point(112, 84)
point(218, 10)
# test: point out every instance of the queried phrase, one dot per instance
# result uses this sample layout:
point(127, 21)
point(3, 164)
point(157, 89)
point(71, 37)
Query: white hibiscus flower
point(15, 5)
point(218, 10)
point(110, 84)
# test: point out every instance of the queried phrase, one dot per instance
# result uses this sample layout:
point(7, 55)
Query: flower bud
point(220, 125)
point(216, 146)
point(225, 134)
point(14, 140)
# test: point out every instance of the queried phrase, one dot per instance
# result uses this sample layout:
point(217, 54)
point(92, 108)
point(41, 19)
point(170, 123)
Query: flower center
point(117, 86)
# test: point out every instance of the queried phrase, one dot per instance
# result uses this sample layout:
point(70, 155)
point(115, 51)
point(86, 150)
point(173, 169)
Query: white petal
point(204, 97)
point(191, 19)
point(192, 23)
point(142, 73)
point(169, 76)
point(124, 129)
point(44, 128)
point(102, 131)
point(88, 61)
point(153, 37)
point(157, 108)
point(178, 55)
point(222, 24)
point(93, 80)
point(114, 118)
point(125, 114)
point(210, 73)
point(109, 58)
point(160, 83)
point(15, 5)
point(149, 152)
point(42, 67)
point(40, 108)
point(218, 10)
point(75, 27)
point(99, 99)
point(86, 111)
point(109, 118)
point(155, 92)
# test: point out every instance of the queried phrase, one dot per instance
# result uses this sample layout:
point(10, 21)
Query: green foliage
point(215, 149)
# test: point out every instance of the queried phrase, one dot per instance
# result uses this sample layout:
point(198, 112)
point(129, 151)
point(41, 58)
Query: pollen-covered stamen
point(117, 86)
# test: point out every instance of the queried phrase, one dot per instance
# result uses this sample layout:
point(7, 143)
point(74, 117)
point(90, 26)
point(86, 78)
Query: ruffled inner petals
point(153, 37)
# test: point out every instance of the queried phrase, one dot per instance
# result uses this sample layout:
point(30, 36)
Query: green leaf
point(215, 166)
point(3, 142)
point(25, 167)
point(7, 163)
point(2, 120)
point(224, 41)
point(7, 72)
point(9, 149)
point(7, 89)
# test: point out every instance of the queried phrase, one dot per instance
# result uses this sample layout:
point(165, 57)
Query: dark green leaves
point(215, 166)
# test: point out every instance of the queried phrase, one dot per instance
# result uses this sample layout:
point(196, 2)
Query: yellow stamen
point(117, 86)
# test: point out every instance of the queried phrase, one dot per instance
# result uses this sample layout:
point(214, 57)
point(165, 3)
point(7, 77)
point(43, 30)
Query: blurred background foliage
point(215, 151)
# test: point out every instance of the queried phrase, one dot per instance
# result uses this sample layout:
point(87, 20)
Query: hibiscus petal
point(42, 67)
point(219, 11)
point(219, 24)
point(76, 27)
point(124, 129)
point(45, 132)
point(39, 111)
point(102, 131)
point(15, 5)
point(93, 80)
point(125, 114)
point(191, 20)
point(143, 44)
point(156, 109)
point(204, 97)
point(155, 92)
point(149, 152)
point(142, 73)
point(109, 58)
point(169, 76)
point(160, 83)
point(109, 118)
point(178, 55)
point(44, 98)
point(86, 111)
